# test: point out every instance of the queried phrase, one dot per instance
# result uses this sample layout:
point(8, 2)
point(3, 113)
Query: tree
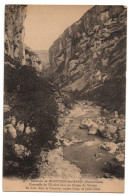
point(32, 102)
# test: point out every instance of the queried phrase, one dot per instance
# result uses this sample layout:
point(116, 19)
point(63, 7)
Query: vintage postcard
point(64, 98)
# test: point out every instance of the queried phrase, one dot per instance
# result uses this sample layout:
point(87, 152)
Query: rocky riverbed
point(90, 144)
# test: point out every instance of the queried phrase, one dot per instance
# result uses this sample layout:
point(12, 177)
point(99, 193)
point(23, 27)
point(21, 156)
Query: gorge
point(66, 106)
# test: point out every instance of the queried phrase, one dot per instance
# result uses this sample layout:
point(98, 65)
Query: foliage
point(31, 101)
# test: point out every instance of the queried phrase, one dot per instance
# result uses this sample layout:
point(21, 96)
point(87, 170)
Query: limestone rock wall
point(16, 52)
point(14, 31)
point(89, 58)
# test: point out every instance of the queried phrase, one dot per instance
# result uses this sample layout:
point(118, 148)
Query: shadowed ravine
point(64, 109)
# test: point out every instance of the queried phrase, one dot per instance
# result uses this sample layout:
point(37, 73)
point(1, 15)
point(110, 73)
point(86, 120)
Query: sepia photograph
point(64, 98)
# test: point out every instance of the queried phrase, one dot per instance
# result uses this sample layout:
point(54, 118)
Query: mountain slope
point(89, 58)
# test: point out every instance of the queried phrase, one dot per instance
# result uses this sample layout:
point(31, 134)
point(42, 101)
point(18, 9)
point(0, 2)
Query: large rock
point(107, 130)
point(93, 131)
point(109, 146)
point(87, 123)
point(104, 132)
point(119, 122)
point(33, 129)
point(28, 130)
point(11, 131)
point(120, 157)
point(111, 128)
point(21, 151)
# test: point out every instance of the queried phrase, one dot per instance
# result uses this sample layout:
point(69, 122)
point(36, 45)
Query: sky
point(44, 24)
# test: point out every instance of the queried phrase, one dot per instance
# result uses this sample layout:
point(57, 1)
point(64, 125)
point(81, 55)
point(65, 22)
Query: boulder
point(86, 123)
point(93, 131)
point(101, 129)
point(28, 130)
point(21, 151)
point(107, 130)
point(33, 129)
point(109, 146)
point(111, 128)
point(120, 157)
point(119, 122)
point(20, 129)
point(104, 132)
point(11, 131)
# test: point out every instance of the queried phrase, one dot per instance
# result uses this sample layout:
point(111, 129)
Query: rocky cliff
point(89, 58)
point(16, 52)
point(15, 32)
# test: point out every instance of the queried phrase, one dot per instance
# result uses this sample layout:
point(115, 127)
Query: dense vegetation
point(32, 103)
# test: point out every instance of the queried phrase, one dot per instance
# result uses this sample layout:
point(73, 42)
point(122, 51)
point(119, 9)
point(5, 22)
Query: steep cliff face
point(89, 58)
point(14, 31)
point(16, 52)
